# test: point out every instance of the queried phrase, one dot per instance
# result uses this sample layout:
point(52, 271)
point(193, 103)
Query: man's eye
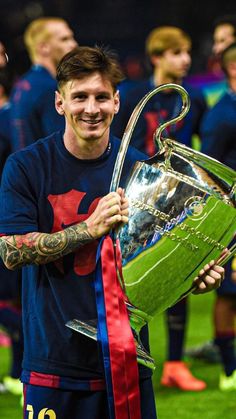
point(79, 97)
point(102, 98)
point(177, 51)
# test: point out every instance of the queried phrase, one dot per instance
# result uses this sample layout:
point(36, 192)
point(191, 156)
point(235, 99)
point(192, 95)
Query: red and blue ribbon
point(115, 336)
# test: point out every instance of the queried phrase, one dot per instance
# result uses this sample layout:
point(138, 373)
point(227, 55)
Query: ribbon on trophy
point(115, 335)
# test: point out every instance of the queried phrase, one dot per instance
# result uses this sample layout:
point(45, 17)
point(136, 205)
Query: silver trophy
point(181, 215)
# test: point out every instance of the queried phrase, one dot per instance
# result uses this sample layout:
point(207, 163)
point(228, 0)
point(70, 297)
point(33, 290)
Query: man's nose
point(216, 49)
point(91, 106)
point(187, 58)
point(73, 43)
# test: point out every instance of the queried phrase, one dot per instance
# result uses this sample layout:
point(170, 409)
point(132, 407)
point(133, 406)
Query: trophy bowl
point(181, 216)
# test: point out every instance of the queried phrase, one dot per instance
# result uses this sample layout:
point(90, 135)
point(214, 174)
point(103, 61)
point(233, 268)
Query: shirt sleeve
point(18, 203)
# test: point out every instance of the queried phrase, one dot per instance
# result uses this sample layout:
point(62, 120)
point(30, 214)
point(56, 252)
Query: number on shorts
point(42, 414)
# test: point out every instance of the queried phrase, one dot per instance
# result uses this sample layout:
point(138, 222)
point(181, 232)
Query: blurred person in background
point(10, 288)
point(213, 81)
point(168, 49)
point(218, 133)
point(224, 34)
point(33, 114)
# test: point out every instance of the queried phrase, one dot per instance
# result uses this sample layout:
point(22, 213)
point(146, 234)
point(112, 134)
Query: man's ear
point(43, 49)
point(59, 103)
point(155, 60)
point(2, 91)
point(117, 101)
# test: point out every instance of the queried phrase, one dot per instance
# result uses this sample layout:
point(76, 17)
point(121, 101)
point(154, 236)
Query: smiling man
point(55, 208)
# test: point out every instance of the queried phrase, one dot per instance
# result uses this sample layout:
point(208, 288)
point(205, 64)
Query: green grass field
point(171, 403)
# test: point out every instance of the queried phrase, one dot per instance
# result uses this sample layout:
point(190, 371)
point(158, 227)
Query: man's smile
point(91, 121)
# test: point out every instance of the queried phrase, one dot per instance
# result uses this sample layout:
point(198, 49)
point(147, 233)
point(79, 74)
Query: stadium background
point(122, 24)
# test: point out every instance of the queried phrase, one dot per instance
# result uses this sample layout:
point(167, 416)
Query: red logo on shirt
point(65, 210)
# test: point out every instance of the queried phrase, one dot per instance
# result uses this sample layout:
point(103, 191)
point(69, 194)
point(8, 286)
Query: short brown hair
point(226, 20)
point(166, 37)
point(83, 61)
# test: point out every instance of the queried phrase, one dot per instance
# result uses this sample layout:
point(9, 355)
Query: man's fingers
point(219, 269)
point(209, 278)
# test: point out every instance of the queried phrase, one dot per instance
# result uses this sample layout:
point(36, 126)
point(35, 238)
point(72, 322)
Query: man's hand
point(209, 278)
point(111, 211)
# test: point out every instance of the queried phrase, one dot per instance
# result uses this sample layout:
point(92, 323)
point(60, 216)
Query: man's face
point(89, 105)
point(175, 63)
point(61, 40)
point(223, 36)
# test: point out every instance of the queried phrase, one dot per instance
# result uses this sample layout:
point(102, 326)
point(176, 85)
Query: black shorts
point(55, 403)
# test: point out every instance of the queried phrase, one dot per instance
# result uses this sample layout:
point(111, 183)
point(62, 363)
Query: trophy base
point(89, 329)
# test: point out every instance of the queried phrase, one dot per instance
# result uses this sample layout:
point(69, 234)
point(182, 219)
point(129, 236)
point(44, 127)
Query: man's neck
point(232, 85)
point(85, 149)
point(3, 101)
point(48, 65)
point(161, 78)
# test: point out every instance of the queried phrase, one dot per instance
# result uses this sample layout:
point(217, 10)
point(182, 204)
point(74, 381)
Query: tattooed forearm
point(41, 248)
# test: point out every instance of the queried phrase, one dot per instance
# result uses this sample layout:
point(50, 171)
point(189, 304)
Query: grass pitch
point(176, 404)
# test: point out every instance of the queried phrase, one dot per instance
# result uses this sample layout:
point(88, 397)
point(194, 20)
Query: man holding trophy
point(56, 209)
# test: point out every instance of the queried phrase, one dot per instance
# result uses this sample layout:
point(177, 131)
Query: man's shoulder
point(5, 111)
point(132, 153)
point(36, 79)
point(137, 92)
point(224, 109)
point(219, 115)
point(38, 148)
point(193, 91)
point(224, 102)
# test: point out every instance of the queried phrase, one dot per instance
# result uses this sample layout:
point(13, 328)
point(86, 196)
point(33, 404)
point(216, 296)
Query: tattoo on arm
point(40, 248)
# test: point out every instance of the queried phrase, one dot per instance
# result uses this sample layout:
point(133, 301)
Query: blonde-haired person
point(33, 114)
point(168, 50)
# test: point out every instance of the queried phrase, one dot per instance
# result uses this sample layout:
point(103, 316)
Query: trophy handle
point(157, 135)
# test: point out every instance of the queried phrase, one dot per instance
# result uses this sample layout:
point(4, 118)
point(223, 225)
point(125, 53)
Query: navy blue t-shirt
point(46, 189)
point(160, 108)
point(33, 113)
point(218, 130)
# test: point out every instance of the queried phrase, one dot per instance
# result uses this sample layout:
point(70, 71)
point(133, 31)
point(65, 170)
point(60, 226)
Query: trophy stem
point(137, 320)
